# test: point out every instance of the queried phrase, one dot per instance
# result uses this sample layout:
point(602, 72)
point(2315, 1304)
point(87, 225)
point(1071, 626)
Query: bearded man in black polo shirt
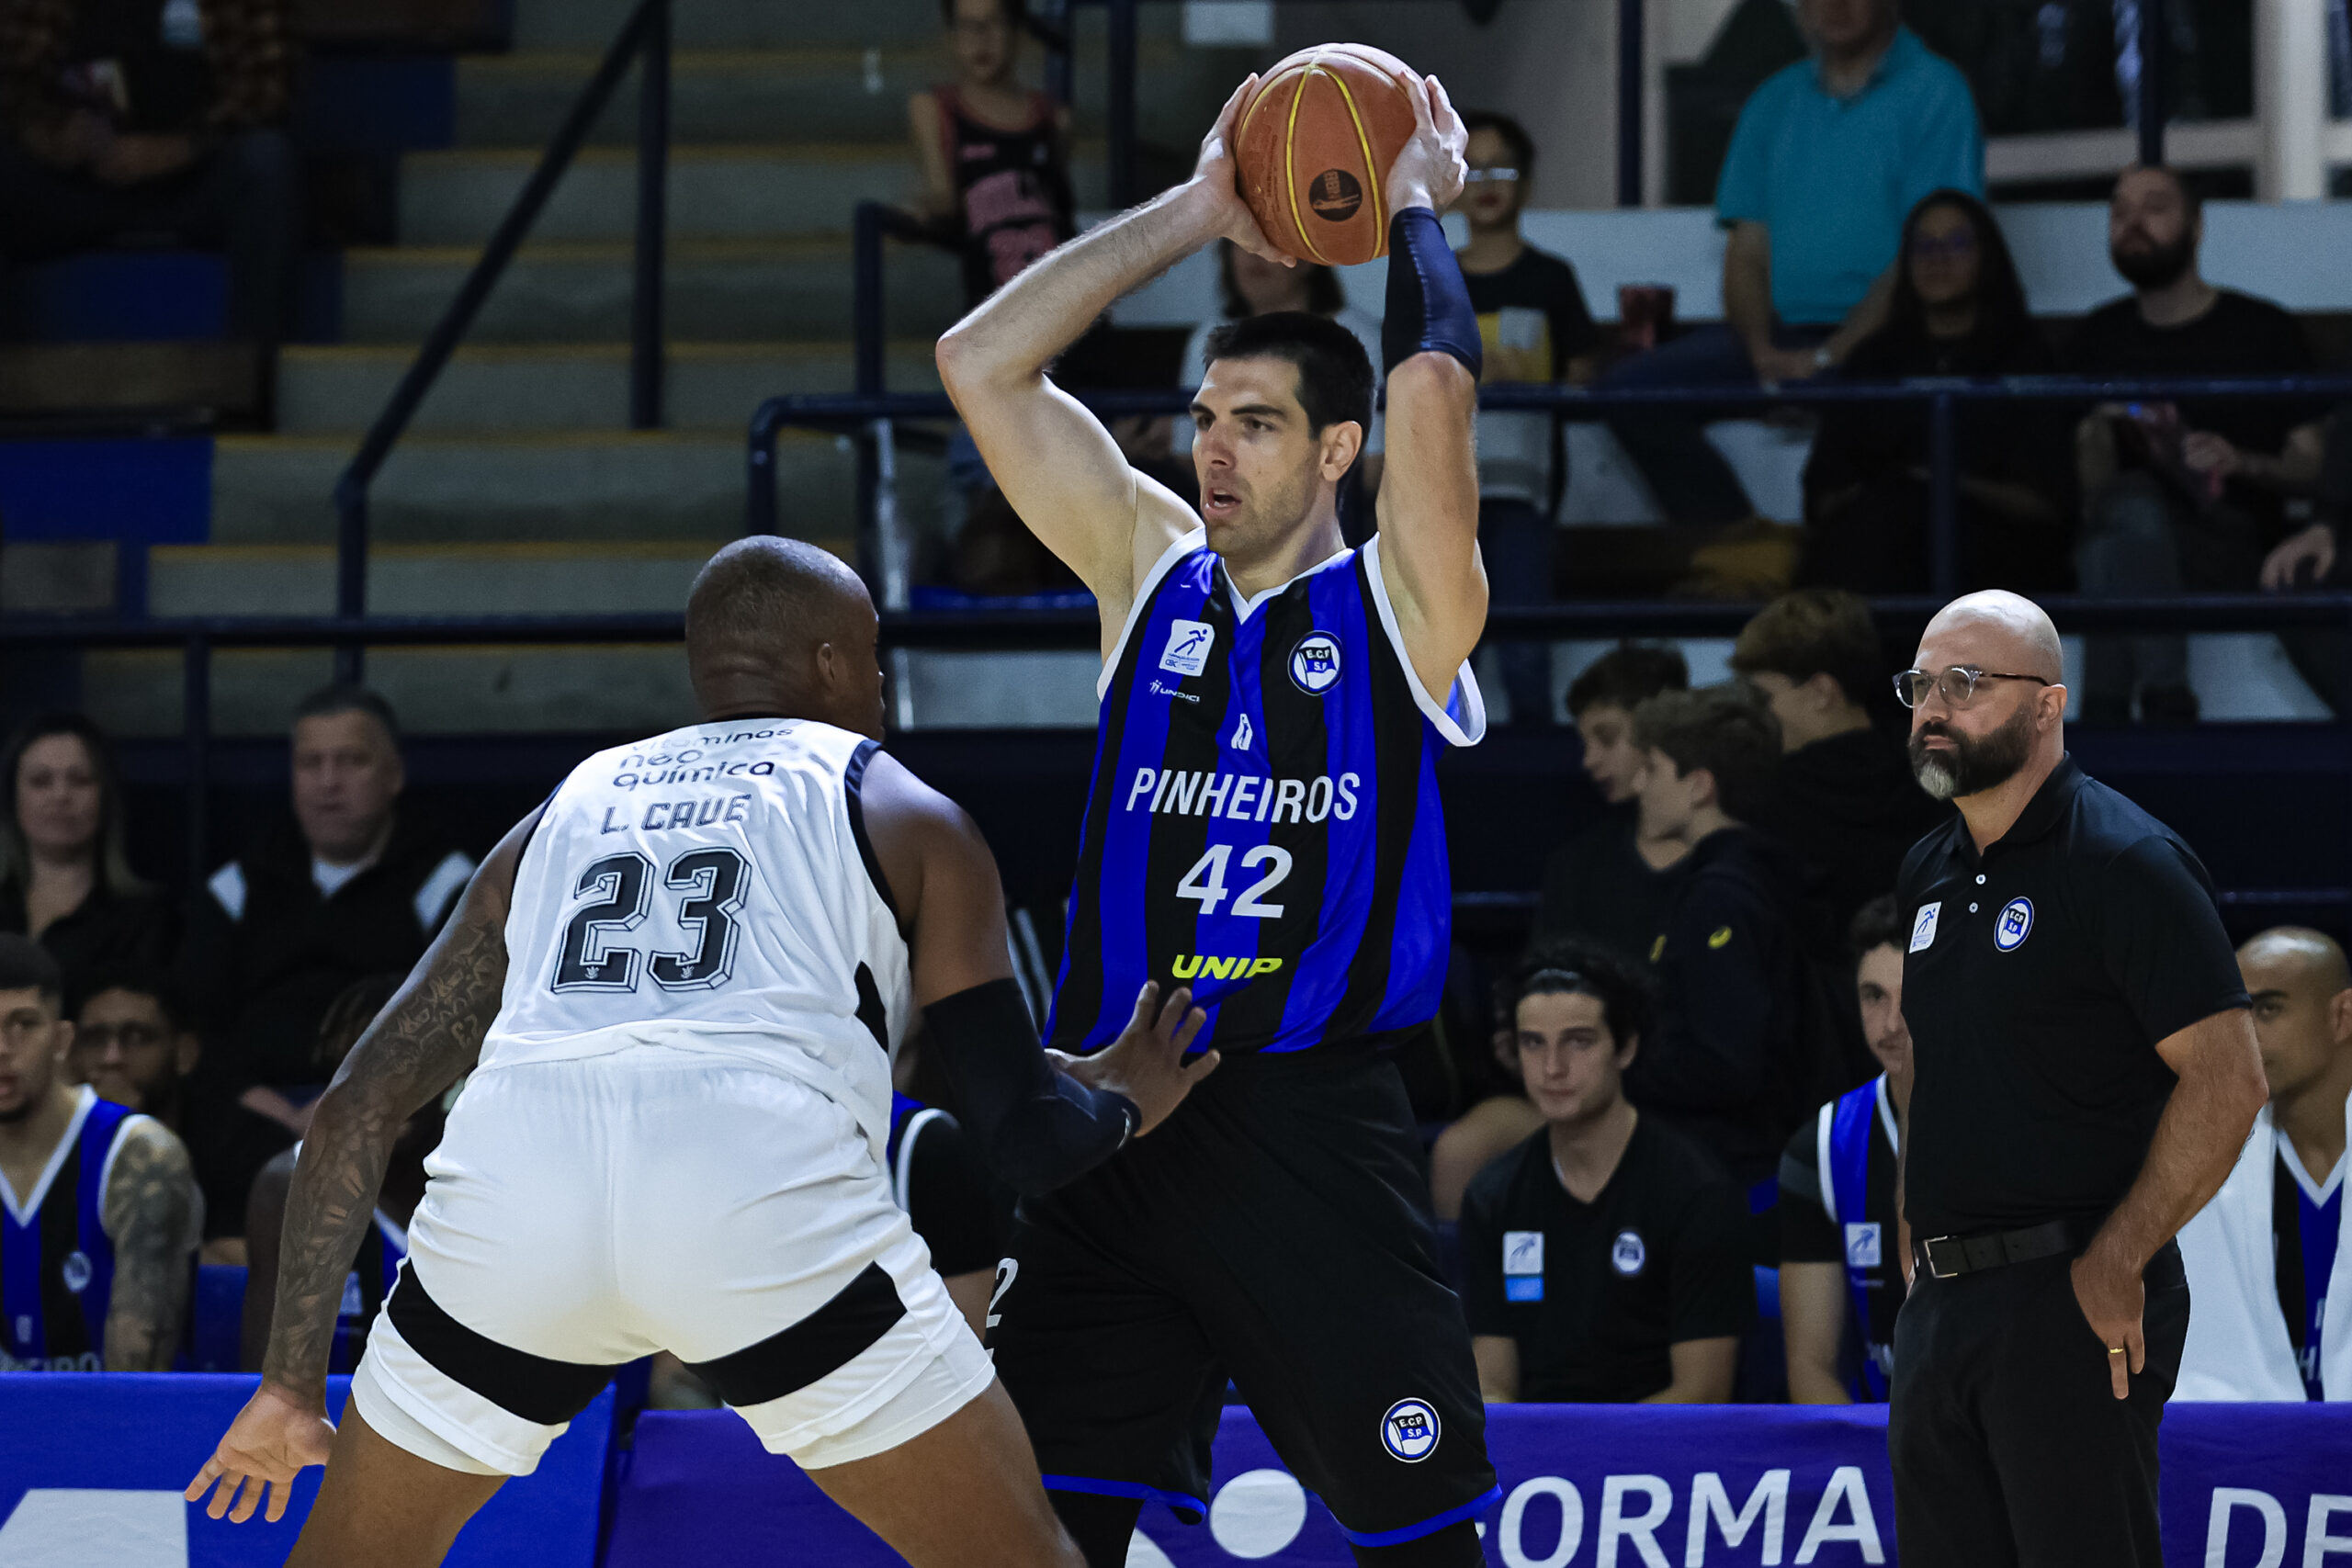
point(2085, 1071)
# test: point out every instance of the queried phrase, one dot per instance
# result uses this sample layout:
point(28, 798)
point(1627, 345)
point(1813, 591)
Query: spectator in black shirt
point(352, 886)
point(136, 1044)
point(1612, 883)
point(1604, 1256)
point(1534, 328)
point(1727, 1063)
point(64, 878)
point(1958, 309)
point(1844, 798)
point(2191, 495)
point(1840, 1279)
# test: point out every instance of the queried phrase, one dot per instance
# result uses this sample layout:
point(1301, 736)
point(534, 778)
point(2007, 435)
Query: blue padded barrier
point(217, 1319)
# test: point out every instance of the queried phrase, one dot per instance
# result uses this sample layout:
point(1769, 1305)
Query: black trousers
point(2008, 1445)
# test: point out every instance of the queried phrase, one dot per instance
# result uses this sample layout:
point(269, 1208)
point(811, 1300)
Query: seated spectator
point(384, 1242)
point(1611, 883)
point(1828, 156)
point(1958, 309)
point(103, 1296)
point(1478, 1136)
point(1535, 329)
point(2268, 1257)
point(1726, 1063)
point(1841, 1275)
point(352, 886)
point(135, 1043)
point(1844, 798)
point(2187, 496)
point(155, 119)
point(1603, 1257)
point(64, 878)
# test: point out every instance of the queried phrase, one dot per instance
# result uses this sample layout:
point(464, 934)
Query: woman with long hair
point(1959, 309)
point(66, 880)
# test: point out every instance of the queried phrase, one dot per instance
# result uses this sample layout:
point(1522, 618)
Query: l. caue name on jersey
point(1243, 797)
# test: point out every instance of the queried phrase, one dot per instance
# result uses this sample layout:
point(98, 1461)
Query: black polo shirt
point(2038, 979)
point(1596, 1293)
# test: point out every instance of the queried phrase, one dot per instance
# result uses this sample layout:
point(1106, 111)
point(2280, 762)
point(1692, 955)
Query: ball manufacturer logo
point(1627, 1254)
point(76, 1271)
point(2014, 924)
point(1315, 664)
point(1334, 195)
point(1410, 1430)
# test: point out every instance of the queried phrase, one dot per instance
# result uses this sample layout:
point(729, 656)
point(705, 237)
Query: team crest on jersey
point(2014, 924)
point(1409, 1430)
point(75, 1271)
point(1189, 642)
point(1627, 1254)
point(1315, 664)
point(1923, 929)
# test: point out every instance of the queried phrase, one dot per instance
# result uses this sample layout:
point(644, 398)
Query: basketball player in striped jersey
point(102, 1214)
point(1264, 823)
point(678, 985)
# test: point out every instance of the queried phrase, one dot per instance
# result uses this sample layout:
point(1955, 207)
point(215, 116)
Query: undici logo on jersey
point(1315, 664)
point(1188, 647)
point(1200, 967)
point(1409, 1430)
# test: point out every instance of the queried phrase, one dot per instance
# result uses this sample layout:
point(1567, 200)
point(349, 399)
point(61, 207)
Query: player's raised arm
point(1037, 1126)
point(1428, 493)
point(1054, 460)
point(431, 1032)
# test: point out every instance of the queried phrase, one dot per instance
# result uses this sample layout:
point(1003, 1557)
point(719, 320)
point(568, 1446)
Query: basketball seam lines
point(1290, 156)
point(1363, 142)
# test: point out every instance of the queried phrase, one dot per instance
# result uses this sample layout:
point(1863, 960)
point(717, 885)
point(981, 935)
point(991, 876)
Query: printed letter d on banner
point(2226, 1499)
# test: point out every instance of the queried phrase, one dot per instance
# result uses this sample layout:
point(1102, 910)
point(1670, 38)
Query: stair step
point(718, 290)
point(604, 485)
point(568, 578)
point(730, 24)
point(706, 386)
point(750, 191)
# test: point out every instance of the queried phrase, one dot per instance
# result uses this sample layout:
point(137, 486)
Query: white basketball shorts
point(581, 1215)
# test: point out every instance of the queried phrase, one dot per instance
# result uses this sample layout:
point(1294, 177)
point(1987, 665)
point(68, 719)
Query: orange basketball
point(1314, 147)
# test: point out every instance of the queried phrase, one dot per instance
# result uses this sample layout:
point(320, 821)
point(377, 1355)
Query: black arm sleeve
point(1036, 1128)
point(1428, 305)
point(948, 1197)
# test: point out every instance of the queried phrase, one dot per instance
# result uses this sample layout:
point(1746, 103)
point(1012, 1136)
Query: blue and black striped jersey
point(1264, 824)
point(56, 1260)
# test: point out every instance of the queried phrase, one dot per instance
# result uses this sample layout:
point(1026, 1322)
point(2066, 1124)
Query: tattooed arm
point(426, 1035)
point(149, 1212)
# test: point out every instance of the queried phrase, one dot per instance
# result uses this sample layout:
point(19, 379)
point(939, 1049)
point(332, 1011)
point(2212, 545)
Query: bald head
point(779, 627)
point(2299, 956)
point(1994, 630)
point(2301, 988)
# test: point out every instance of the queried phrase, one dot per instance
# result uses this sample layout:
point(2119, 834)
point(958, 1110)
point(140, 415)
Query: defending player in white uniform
point(701, 953)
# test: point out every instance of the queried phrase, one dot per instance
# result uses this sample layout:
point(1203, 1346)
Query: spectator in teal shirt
point(1829, 155)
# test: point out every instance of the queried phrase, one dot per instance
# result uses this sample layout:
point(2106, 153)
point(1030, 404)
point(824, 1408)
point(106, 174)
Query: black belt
point(1943, 1256)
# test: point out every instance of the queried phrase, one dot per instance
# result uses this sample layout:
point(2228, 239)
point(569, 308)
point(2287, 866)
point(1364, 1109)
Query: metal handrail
point(645, 37)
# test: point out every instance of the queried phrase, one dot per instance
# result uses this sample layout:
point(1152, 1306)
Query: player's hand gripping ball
point(1314, 147)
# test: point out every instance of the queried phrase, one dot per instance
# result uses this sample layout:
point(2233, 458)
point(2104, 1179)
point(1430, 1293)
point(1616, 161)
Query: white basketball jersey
point(712, 890)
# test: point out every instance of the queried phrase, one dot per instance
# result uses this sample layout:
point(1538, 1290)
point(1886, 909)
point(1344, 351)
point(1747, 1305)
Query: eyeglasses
point(1955, 685)
point(1487, 176)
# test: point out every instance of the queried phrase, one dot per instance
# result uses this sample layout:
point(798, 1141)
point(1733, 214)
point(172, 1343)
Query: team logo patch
point(1627, 1254)
point(1410, 1431)
point(2014, 924)
point(1923, 928)
point(1189, 642)
point(76, 1271)
point(1862, 1248)
point(1315, 664)
point(1524, 1266)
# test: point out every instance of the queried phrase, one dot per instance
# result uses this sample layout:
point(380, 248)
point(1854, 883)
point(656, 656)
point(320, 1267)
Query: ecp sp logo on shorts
point(1410, 1430)
point(2013, 925)
point(1315, 664)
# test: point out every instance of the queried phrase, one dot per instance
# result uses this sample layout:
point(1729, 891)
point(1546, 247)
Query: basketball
point(1314, 147)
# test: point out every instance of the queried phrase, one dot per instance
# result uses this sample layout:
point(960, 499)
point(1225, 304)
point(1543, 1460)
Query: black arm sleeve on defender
point(1037, 1128)
point(1428, 305)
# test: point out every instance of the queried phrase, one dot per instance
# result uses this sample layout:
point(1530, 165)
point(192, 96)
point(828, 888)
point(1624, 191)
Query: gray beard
point(1974, 766)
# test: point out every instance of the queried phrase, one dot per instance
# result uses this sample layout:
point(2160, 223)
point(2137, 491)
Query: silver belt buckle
point(1929, 1248)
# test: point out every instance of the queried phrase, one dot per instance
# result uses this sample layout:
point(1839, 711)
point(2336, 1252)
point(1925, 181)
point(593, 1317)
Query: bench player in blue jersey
point(98, 1209)
point(1264, 824)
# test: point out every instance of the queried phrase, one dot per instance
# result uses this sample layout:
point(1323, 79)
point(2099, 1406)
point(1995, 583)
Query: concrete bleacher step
point(574, 577)
point(730, 24)
point(806, 94)
point(458, 198)
point(603, 485)
point(579, 291)
point(707, 386)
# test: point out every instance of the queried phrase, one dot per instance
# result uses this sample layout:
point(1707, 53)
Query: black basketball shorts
point(1273, 1231)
